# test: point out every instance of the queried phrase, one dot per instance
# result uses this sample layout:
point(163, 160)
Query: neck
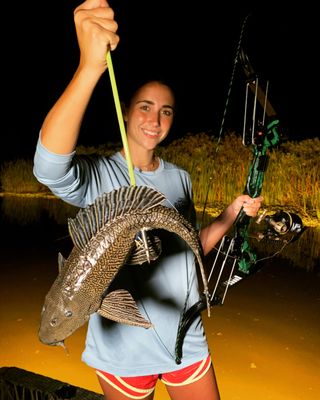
point(151, 166)
point(150, 162)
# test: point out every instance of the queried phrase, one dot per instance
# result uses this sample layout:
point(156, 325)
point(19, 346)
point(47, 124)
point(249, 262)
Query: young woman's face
point(150, 115)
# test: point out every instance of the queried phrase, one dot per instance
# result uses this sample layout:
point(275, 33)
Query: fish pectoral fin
point(145, 252)
point(120, 306)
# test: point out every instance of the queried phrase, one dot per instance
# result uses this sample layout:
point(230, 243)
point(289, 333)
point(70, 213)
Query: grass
point(218, 173)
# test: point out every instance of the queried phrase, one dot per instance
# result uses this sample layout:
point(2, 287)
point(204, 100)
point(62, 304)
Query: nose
point(155, 118)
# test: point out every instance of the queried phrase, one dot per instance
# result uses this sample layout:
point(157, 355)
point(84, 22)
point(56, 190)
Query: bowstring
point(226, 107)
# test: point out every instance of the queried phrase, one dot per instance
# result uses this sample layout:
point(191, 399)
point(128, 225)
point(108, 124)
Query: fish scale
point(102, 245)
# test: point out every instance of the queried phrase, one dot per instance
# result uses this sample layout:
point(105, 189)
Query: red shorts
point(139, 387)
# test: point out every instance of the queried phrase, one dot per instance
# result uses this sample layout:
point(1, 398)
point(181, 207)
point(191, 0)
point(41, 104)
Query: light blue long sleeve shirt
point(163, 288)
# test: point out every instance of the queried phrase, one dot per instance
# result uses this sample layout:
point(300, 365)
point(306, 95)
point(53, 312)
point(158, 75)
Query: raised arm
point(96, 34)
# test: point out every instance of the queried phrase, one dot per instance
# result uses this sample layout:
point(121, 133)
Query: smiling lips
point(150, 133)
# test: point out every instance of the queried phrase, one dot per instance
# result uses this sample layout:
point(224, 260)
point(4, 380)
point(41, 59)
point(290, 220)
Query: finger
point(97, 8)
point(101, 20)
point(102, 12)
point(256, 200)
point(90, 4)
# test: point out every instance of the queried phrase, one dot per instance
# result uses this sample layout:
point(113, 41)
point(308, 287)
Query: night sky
point(192, 45)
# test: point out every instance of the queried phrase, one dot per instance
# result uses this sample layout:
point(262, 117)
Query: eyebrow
point(152, 103)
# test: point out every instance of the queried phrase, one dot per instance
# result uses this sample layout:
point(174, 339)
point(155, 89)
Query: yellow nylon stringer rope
point(120, 118)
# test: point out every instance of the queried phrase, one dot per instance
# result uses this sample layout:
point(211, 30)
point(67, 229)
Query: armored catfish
point(106, 235)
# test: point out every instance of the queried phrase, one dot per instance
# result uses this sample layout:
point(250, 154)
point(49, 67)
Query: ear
point(124, 111)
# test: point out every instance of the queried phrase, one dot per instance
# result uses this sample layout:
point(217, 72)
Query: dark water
point(39, 223)
point(268, 323)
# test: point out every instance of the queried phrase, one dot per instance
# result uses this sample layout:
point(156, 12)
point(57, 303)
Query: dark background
point(193, 45)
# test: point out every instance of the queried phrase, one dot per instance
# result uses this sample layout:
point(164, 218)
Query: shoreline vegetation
point(218, 171)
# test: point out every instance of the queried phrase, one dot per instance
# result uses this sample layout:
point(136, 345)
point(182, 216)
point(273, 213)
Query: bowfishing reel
point(282, 225)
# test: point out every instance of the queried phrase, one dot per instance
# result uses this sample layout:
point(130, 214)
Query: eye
point(68, 313)
point(145, 107)
point(53, 322)
point(167, 113)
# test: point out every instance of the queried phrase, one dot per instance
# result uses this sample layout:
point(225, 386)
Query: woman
point(129, 360)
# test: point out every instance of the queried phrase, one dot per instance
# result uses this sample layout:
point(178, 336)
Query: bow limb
point(256, 89)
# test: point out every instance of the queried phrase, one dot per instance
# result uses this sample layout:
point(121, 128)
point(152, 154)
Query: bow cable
point(235, 62)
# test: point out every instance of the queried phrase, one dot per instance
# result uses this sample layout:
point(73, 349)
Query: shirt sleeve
point(61, 174)
point(50, 166)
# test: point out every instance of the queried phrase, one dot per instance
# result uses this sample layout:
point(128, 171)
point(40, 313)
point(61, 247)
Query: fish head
point(60, 317)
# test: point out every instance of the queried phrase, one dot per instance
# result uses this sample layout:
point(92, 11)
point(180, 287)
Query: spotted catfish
point(105, 237)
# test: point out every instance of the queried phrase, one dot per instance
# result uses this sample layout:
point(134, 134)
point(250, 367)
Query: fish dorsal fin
point(109, 206)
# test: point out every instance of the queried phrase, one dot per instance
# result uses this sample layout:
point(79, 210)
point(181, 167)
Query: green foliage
point(17, 177)
point(218, 171)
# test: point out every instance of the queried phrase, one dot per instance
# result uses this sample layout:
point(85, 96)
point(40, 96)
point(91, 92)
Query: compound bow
point(238, 258)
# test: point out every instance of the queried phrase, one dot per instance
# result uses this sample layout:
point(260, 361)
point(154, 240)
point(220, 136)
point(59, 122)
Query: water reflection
point(27, 210)
point(274, 312)
point(305, 252)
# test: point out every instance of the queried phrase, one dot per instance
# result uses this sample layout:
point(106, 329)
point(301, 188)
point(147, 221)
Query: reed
point(218, 171)
point(16, 176)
